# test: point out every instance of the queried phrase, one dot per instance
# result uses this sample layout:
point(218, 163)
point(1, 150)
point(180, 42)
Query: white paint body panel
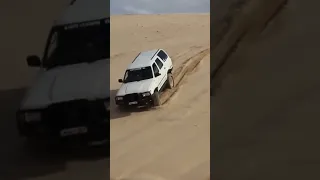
point(145, 59)
point(136, 87)
point(66, 83)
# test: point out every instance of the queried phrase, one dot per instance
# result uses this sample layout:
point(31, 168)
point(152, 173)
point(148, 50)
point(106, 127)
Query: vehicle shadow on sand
point(20, 159)
point(116, 113)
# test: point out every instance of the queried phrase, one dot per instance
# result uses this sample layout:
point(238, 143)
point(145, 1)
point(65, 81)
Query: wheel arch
point(156, 89)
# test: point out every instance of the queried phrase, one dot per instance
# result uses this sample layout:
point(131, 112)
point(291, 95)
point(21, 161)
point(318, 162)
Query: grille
point(131, 97)
point(74, 113)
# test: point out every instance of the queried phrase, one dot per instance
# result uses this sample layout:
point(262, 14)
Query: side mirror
point(33, 61)
point(157, 74)
point(120, 80)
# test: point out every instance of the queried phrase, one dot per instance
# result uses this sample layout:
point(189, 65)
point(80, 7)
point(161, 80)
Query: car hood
point(66, 83)
point(135, 87)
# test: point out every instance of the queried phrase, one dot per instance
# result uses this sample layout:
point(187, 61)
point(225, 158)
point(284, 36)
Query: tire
point(170, 81)
point(122, 108)
point(156, 98)
point(36, 143)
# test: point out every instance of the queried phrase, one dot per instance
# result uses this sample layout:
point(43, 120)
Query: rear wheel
point(156, 98)
point(170, 81)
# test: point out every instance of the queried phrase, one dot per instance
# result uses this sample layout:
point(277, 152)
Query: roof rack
point(136, 57)
point(155, 54)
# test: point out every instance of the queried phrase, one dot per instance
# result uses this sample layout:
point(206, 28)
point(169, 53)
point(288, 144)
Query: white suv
point(148, 74)
point(69, 99)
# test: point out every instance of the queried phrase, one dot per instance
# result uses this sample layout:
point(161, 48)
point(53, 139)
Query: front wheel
point(170, 81)
point(156, 98)
point(122, 108)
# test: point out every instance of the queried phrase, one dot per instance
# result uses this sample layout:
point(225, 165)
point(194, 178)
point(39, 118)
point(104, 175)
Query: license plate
point(73, 131)
point(98, 143)
point(134, 102)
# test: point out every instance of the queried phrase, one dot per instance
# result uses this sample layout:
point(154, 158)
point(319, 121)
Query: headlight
point(146, 94)
point(32, 116)
point(119, 98)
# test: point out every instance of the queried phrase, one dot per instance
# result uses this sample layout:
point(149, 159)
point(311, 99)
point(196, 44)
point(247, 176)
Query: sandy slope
point(266, 110)
point(171, 142)
point(186, 35)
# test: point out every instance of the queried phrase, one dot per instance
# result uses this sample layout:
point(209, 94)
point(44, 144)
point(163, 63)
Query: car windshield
point(138, 74)
point(78, 43)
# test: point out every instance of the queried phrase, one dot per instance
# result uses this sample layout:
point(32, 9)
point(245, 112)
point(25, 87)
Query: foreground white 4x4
point(145, 78)
point(69, 99)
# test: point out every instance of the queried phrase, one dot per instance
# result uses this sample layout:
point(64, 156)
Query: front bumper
point(96, 131)
point(57, 119)
point(134, 100)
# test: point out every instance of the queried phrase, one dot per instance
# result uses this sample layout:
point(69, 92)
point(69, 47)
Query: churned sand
point(173, 141)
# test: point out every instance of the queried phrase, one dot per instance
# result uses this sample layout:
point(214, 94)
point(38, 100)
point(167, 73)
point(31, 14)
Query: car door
point(163, 72)
point(157, 79)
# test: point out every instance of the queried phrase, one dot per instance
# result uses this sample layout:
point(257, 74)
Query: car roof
point(84, 10)
point(144, 59)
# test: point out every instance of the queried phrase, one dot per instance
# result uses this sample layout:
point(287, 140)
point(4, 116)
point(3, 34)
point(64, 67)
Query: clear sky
point(159, 6)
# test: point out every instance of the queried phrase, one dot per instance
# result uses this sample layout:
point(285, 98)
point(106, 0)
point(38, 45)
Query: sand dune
point(266, 110)
point(173, 141)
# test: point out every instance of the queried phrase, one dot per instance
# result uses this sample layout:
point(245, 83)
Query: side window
point(155, 69)
point(163, 55)
point(126, 75)
point(159, 63)
point(51, 47)
point(53, 43)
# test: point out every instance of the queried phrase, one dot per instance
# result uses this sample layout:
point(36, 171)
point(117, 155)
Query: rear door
point(163, 71)
point(157, 79)
point(164, 58)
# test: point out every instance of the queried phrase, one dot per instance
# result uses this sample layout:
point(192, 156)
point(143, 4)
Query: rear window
point(163, 55)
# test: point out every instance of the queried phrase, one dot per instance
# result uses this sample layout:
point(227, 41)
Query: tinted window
point(78, 43)
point(159, 63)
point(138, 74)
point(163, 55)
point(155, 69)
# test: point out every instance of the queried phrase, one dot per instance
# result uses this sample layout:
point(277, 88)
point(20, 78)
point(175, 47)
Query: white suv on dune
point(148, 74)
